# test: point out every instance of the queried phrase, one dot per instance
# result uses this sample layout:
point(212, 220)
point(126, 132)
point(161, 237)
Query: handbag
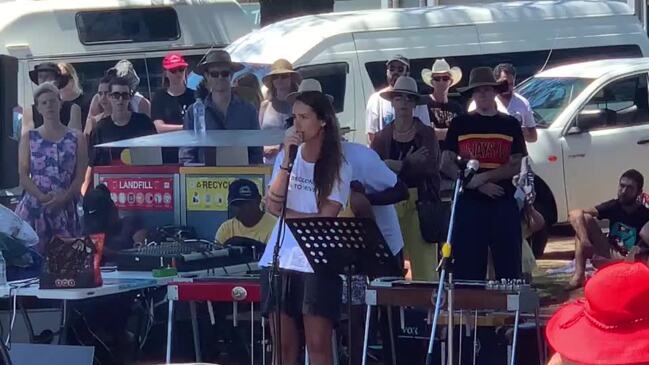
point(72, 262)
point(431, 213)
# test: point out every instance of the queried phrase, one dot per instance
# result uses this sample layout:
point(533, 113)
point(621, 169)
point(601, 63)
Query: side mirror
point(589, 119)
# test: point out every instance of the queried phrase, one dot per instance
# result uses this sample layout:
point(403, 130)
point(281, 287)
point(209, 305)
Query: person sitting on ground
point(70, 114)
point(609, 325)
point(51, 160)
point(249, 221)
point(626, 216)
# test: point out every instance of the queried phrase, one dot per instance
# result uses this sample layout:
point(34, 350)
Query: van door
point(609, 136)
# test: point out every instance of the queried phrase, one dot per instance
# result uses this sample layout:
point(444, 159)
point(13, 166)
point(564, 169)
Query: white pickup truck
point(593, 124)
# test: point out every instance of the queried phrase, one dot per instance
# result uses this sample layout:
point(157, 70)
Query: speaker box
point(9, 123)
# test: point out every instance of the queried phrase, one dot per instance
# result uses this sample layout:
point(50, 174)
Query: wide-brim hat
point(219, 57)
point(44, 67)
point(611, 324)
point(281, 67)
point(308, 85)
point(441, 67)
point(483, 76)
point(405, 85)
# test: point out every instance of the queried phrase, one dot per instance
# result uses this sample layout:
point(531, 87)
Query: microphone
point(292, 155)
point(472, 167)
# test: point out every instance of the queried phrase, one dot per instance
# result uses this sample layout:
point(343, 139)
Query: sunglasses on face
point(442, 78)
point(397, 69)
point(178, 70)
point(222, 74)
point(118, 96)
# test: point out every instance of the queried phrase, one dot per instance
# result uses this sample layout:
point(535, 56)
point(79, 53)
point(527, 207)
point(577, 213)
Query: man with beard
point(626, 216)
point(517, 106)
point(379, 111)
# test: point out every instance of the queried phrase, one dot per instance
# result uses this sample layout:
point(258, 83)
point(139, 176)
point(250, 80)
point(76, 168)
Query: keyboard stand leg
point(515, 338)
point(539, 337)
point(170, 325)
point(197, 341)
point(391, 330)
point(366, 337)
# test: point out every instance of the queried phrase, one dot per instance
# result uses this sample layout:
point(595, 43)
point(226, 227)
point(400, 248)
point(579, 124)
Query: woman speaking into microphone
point(318, 186)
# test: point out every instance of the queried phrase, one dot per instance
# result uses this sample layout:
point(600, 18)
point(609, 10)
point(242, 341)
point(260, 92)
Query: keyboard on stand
point(187, 255)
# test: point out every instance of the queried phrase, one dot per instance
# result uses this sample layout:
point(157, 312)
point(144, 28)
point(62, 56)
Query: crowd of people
point(414, 143)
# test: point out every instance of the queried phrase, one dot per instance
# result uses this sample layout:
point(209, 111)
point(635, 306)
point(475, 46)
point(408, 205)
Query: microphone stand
point(463, 176)
point(275, 275)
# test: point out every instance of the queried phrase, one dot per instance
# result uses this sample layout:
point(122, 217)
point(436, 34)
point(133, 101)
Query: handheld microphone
point(292, 155)
point(472, 166)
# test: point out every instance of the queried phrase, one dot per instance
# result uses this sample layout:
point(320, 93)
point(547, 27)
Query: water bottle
point(3, 270)
point(199, 118)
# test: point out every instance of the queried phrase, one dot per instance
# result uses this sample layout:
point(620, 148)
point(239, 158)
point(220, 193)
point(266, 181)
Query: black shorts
point(303, 294)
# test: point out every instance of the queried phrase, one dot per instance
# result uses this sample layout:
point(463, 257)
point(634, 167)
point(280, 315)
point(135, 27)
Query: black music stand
point(349, 246)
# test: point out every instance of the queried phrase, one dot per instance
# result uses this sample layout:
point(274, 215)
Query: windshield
point(549, 96)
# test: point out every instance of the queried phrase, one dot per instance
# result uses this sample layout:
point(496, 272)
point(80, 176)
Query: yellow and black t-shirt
point(491, 140)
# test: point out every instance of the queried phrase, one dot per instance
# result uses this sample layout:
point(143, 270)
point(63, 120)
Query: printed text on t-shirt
point(492, 150)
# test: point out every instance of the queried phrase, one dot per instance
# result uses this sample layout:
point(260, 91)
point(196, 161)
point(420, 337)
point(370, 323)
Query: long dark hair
point(327, 168)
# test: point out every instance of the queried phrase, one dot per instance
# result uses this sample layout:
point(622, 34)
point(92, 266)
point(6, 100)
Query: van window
point(128, 25)
point(625, 102)
point(148, 69)
point(332, 77)
point(527, 63)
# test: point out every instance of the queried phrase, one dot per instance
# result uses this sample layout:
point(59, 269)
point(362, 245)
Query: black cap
point(242, 190)
point(97, 201)
point(44, 67)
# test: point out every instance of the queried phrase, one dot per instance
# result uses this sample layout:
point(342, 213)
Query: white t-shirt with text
point(302, 198)
point(379, 113)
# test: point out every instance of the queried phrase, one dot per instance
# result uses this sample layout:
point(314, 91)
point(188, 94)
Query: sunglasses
point(118, 96)
point(178, 70)
point(441, 78)
point(222, 74)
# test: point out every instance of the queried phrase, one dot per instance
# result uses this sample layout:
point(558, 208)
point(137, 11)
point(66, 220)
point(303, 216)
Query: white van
point(93, 35)
point(593, 120)
point(347, 51)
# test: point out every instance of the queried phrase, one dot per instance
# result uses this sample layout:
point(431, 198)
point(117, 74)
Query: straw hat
point(483, 76)
point(218, 57)
point(281, 67)
point(308, 85)
point(441, 67)
point(405, 85)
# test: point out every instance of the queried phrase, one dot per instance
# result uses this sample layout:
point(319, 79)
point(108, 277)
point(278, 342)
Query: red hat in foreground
point(173, 60)
point(611, 324)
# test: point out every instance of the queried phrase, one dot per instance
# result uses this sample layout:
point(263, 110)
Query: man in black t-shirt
point(487, 215)
point(626, 216)
point(121, 124)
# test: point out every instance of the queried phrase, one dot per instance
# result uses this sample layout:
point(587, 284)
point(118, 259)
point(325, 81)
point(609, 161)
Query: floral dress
point(52, 169)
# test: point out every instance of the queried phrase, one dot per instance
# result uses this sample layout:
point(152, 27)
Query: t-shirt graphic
point(622, 235)
point(491, 150)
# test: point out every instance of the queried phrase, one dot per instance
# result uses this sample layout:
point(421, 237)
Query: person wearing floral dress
point(52, 159)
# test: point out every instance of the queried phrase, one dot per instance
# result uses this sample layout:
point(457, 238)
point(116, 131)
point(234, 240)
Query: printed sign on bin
point(205, 193)
point(141, 193)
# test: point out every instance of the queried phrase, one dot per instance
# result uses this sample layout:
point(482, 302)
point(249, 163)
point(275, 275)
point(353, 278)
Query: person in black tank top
point(72, 92)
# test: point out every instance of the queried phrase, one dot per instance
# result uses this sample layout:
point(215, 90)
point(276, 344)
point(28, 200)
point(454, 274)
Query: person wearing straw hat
point(609, 325)
point(410, 149)
point(275, 109)
point(223, 108)
point(379, 112)
point(441, 77)
point(487, 215)
point(318, 185)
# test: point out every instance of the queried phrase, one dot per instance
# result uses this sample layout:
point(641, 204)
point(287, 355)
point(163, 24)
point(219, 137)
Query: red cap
point(173, 60)
point(611, 324)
